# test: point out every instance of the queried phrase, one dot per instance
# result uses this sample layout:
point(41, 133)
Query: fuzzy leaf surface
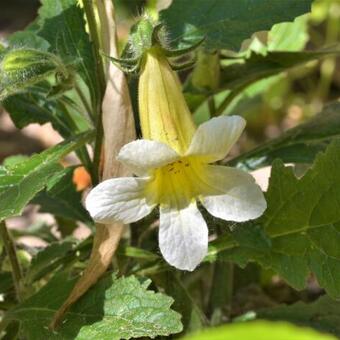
point(113, 309)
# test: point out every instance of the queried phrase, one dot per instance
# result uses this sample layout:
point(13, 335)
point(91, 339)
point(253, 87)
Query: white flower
point(176, 182)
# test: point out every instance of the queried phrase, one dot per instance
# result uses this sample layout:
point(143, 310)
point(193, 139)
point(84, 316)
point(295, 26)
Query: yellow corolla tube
point(164, 114)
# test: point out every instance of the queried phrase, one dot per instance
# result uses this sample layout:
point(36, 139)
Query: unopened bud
point(24, 67)
point(206, 74)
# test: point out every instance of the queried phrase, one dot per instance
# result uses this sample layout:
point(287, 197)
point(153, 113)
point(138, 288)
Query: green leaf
point(193, 317)
point(70, 40)
point(61, 198)
point(28, 39)
point(297, 145)
point(34, 107)
point(257, 66)
point(6, 282)
point(227, 23)
point(284, 37)
point(323, 314)
point(248, 98)
point(113, 309)
point(65, 103)
point(238, 74)
point(300, 230)
point(57, 255)
point(263, 330)
point(48, 259)
point(21, 182)
point(289, 36)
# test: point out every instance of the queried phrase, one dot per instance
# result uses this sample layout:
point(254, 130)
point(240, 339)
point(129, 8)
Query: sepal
point(147, 34)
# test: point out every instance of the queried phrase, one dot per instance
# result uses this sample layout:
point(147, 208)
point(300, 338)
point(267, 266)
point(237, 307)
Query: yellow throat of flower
point(164, 114)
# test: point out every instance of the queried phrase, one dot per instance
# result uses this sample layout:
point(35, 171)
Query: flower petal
point(214, 138)
point(142, 155)
point(183, 236)
point(237, 197)
point(119, 200)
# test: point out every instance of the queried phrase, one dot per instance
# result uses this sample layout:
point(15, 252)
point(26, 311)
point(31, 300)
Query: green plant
point(113, 286)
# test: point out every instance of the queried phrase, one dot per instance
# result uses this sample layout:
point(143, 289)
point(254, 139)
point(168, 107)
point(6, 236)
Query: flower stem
point(12, 255)
point(95, 33)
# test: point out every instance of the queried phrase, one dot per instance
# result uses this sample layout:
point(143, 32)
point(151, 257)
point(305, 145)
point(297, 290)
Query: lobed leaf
point(113, 309)
point(299, 232)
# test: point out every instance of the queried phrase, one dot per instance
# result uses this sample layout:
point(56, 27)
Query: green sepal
point(183, 51)
point(182, 66)
point(145, 35)
point(121, 61)
point(156, 37)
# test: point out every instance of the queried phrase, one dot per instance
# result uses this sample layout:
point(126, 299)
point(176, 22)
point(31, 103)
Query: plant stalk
point(221, 292)
point(12, 255)
point(95, 34)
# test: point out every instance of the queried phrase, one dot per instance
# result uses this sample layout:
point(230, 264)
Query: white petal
point(183, 236)
point(119, 200)
point(237, 197)
point(141, 155)
point(214, 139)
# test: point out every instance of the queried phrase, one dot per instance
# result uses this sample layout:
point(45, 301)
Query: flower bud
point(24, 67)
point(141, 37)
point(147, 34)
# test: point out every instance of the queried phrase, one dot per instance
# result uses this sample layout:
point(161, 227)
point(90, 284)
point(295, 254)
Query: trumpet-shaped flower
point(174, 171)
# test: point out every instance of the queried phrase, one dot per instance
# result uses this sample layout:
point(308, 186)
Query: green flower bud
point(24, 67)
point(140, 38)
point(206, 74)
